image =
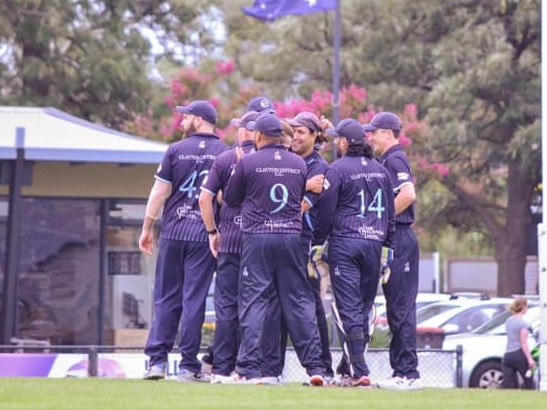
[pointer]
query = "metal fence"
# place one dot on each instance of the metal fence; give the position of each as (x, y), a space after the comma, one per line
(438, 368)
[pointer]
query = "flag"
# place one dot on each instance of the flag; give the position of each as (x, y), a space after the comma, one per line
(269, 10)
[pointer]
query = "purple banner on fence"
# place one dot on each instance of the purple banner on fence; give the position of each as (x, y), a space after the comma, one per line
(26, 364)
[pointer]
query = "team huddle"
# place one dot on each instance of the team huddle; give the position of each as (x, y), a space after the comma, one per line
(264, 215)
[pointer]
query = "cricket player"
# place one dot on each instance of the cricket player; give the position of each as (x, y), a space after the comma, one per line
(356, 215)
(185, 266)
(401, 289)
(269, 186)
(225, 245)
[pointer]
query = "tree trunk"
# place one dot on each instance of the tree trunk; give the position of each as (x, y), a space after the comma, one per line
(511, 241)
(511, 259)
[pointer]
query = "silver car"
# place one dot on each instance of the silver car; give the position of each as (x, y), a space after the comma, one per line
(484, 348)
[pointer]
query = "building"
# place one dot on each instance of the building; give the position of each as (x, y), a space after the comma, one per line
(72, 199)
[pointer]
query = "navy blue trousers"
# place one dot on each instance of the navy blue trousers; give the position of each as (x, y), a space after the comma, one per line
(354, 266)
(276, 335)
(400, 293)
(184, 271)
(274, 266)
(226, 338)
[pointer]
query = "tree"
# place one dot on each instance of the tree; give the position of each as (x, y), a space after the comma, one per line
(483, 108)
(472, 69)
(92, 57)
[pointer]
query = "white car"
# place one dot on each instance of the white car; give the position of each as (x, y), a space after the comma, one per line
(436, 321)
(484, 348)
(422, 300)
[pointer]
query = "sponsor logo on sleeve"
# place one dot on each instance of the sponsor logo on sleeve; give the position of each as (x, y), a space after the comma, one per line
(403, 176)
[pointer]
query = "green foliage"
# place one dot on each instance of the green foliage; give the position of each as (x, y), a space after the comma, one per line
(89, 58)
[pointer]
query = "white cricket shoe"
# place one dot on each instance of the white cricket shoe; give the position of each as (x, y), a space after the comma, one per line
(400, 383)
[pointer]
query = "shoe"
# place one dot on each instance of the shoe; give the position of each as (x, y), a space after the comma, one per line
(393, 383)
(414, 384)
(156, 372)
(238, 379)
(317, 380)
(206, 368)
(186, 376)
(272, 380)
(363, 381)
(219, 378)
(400, 383)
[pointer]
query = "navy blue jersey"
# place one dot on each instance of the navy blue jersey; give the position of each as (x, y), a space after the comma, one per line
(269, 185)
(316, 165)
(356, 202)
(185, 165)
(230, 217)
(396, 162)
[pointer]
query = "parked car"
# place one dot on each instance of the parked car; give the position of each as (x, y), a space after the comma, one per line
(483, 349)
(422, 300)
(381, 336)
(436, 321)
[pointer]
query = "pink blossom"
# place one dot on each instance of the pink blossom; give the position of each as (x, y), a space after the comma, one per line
(411, 110)
(225, 67)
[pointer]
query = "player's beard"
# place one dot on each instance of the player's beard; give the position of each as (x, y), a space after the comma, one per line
(189, 129)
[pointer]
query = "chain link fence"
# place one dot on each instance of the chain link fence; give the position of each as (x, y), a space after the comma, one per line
(438, 368)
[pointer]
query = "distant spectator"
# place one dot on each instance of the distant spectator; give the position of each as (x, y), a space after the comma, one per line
(517, 357)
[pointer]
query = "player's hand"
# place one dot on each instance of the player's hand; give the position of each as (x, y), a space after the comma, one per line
(315, 184)
(239, 153)
(386, 259)
(146, 241)
(214, 241)
(325, 123)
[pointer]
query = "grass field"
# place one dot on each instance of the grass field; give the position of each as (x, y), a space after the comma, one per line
(26, 393)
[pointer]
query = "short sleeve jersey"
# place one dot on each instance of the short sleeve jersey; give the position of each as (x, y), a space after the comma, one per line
(269, 185)
(185, 165)
(230, 217)
(316, 165)
(356, 202)
(396, 162)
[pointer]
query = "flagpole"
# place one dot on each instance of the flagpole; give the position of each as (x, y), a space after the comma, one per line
(336, 68)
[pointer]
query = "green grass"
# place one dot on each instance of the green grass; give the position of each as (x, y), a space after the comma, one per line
(27, 393)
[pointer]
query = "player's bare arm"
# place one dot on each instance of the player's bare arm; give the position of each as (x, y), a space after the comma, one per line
(158, 195)
(405, 197)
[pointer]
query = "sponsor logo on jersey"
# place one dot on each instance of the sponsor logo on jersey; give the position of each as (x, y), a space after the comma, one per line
(237, 220)
(403, 176)
(201, 144)
(326, 184)
(277, 156)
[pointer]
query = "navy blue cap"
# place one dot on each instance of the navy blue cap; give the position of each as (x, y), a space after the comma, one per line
(384, 121)
(350, 129)
(267, 124)
(200, 108)
(261, 104)
(245, 119)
